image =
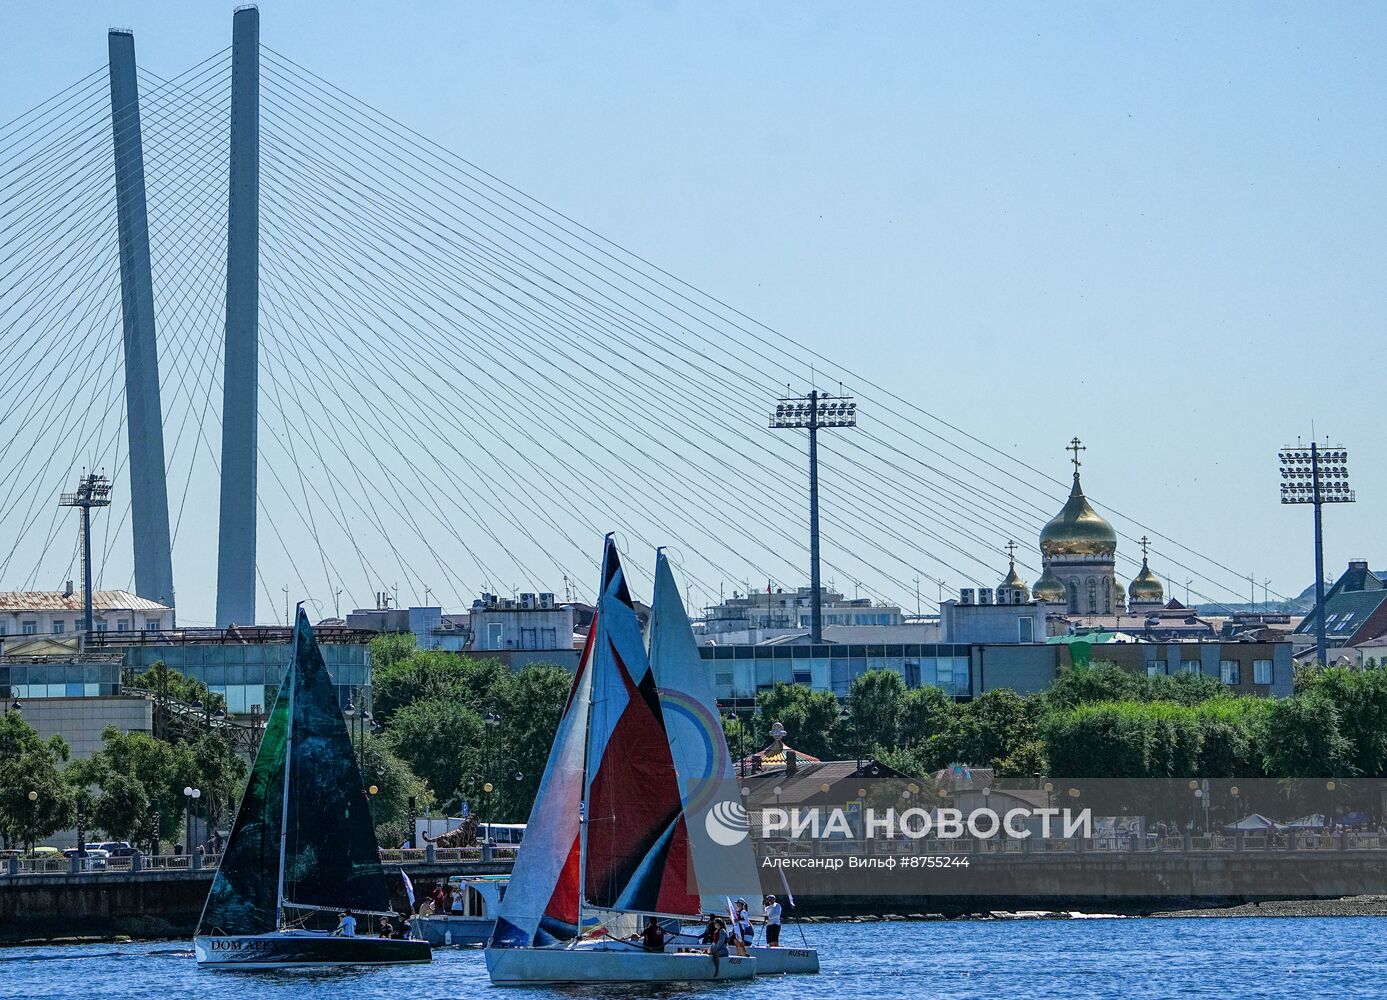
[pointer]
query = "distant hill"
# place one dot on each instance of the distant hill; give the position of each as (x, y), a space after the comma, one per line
(1302, 604)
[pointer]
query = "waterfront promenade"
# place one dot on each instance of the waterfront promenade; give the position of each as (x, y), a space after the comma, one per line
(162, 896)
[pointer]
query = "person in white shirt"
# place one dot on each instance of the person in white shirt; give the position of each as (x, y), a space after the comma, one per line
(346, 925)
(772, 922)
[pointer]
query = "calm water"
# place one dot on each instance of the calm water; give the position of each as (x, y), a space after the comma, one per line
(1122, 959)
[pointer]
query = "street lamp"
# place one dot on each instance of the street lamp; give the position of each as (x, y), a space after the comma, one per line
(1316, 476)
(1330, 785)
(190, 796)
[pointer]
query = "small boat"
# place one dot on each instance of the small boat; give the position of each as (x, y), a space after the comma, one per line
(707, 782)
(481, 898)
(606, 847)
(302, 849)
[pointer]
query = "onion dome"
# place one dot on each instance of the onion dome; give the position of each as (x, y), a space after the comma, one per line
(1013, 580)
(1049, 589)
(1078, 530)
(1145, 588)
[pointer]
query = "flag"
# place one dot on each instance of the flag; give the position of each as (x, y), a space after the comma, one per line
(786, 886)
(409, 889)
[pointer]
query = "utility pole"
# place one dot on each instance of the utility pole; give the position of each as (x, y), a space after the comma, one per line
(812, 413)
(92, 491)
(1316, 476)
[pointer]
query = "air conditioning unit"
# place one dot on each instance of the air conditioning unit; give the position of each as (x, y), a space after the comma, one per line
(527, 601)
(507, 604)
(984, 595)
(965, 596)
(546, 601)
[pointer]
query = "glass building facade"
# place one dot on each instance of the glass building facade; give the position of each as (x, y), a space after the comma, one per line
(741, 672)
(249, 674)
(58, 680)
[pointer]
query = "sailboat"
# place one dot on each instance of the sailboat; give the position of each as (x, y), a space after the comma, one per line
(723, 866)
(606, 846)
(302, 848)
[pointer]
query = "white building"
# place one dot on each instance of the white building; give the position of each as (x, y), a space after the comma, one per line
(792, 610)
(529, 622)
(58, 612)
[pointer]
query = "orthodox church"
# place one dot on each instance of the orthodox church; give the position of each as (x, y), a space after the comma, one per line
(1078, 552)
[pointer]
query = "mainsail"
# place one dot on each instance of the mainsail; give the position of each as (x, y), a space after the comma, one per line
(331, 858)
(707, 785)
(541, 902)
(637, 847)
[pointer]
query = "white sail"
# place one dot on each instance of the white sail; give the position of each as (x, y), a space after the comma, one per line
(541, 902)
(707, 784)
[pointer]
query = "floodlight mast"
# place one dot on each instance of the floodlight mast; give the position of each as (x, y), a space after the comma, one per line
(92, 491)
(1316, 476)
(812, 413)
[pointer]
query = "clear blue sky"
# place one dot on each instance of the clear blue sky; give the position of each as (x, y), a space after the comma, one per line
(1159, 227)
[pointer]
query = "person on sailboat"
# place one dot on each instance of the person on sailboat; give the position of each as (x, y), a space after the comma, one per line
(653, 937)
(715, 937)
(773, 911)
(346, 925)
(743, 931)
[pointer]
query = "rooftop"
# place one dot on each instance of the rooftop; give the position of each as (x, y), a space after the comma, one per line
(17, 601)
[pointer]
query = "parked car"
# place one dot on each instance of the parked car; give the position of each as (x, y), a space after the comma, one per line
(96, 857)
(115, 848)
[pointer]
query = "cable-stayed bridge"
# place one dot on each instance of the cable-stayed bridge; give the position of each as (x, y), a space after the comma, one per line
(380, 366)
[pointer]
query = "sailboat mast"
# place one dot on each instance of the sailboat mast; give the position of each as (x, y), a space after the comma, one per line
(284, 806)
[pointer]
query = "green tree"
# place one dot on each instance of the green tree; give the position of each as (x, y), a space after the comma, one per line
(28, 765)
(1360, 697)
(810, 718)
(479, 683)
(161, 770)
(875, 703)
(534, 702)
(1302, 739)
(926, 712)
(989, 728)
(442, 741)
(395, 784)
(1229, 729)
(120, 807)
(1099, 681)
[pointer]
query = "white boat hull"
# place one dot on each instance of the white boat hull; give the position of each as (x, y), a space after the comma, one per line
(547, 966)
(304, 949)
(785, 961)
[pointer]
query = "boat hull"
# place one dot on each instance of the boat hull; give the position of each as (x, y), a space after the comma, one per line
(443, 931)
(785, 961)
(303, 950)
(541, 966)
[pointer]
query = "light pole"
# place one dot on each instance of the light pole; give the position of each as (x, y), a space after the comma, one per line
(811, 413)
(33, 816)
(1315, 476)
(190, 796)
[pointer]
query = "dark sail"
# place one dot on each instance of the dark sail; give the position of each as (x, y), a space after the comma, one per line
(330, 852)
(331, 857)
(242, 897)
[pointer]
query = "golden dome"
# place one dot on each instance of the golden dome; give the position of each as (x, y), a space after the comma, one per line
(1078, 530)
(1145, 588)
(1049, 589)
(1013, 580)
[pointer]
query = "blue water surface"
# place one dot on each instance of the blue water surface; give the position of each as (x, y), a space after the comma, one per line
(1244, 958)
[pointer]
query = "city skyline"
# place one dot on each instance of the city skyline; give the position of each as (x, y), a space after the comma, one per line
(1125, 230)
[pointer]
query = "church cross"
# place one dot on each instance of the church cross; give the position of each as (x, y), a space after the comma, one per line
(1144, 543)
(1011, 552)
(1075, 446)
